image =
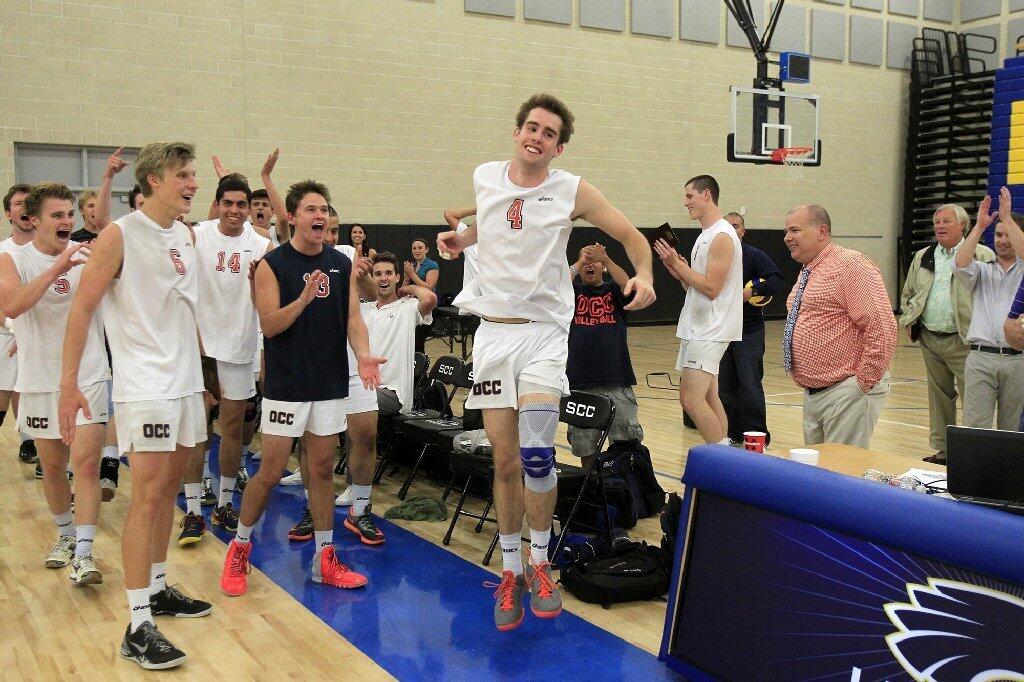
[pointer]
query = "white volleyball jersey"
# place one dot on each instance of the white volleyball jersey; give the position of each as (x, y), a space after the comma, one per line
(154, 342)
(522, 233)
(349, 252)
(720, 319)
(6, 246)
(40, 329)
(227, 316)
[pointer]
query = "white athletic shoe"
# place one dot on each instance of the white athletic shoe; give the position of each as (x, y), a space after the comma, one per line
(344, 499)
(84, 571)
(292, 479)
(63, 550)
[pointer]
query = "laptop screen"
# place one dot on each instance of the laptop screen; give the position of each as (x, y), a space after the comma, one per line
(985, 463)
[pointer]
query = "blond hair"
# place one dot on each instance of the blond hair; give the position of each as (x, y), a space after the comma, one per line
(158, 157)
(84, 197)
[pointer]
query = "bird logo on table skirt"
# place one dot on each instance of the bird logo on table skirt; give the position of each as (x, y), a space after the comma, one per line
(956, 631)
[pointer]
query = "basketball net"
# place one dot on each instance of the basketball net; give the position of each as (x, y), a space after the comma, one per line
(794, 159)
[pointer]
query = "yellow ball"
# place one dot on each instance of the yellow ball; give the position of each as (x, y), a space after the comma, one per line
(755, 299)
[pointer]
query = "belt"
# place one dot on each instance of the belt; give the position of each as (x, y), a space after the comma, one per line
(932, 331)
(819, 389)
(506, 320)
(995, 350)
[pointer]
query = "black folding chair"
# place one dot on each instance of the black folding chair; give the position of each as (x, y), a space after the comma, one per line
(436, 433)
(584, 411)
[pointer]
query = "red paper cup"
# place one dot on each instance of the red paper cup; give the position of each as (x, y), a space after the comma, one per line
(754, 440)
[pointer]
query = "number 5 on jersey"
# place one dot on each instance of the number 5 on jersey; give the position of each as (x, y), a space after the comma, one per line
(515, 215)
(323, 289)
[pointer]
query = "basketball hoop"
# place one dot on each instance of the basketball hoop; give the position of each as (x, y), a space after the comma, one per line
(793, 158)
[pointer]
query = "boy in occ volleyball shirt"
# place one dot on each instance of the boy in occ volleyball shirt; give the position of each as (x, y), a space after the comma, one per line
(523, 293)
(309, 309)
(37, 284)
(143, 269)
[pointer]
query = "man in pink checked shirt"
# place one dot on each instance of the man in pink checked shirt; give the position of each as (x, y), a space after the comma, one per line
(840, 333)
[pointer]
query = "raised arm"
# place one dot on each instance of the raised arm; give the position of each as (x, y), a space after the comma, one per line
(1013, 231)
(453, 216)
(599, 254)
(107, 254)
(276, 201)
(965, 255)
(592, 206)
(273, 318)
(17, 297)
(427, 299)
(115, 164)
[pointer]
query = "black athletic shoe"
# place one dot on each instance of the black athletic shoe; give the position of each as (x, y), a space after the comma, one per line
(226, 516)
(364, 527)
(108, 477)
(149, 648)
(39, 470)
(171, 602)
(303, 530)
(27, 452)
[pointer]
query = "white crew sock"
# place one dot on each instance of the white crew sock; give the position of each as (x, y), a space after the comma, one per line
(539, 540)
(305, 491)
(245, 451)
(110, 452)
(24, 436)
(157, 577)
(227, 489)
(138, 605)
(65, 523)
(360, 498)
(243, 533)
(193, 491)
(323, 538)
(83, 543)
(511, 552)
(206, 465)
(724, 441)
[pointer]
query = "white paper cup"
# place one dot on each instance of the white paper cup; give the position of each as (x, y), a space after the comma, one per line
(804, 456)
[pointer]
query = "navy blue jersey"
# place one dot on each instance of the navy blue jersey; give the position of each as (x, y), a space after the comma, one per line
(307, 361)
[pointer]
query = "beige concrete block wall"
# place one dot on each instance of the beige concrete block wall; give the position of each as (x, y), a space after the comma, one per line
(393, 102)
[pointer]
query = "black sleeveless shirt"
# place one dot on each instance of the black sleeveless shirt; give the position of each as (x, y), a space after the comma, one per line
(307, 361)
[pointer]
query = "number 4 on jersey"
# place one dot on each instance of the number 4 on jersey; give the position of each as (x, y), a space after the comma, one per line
(515, 215)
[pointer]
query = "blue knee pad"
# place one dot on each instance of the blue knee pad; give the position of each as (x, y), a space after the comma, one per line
(537, 425)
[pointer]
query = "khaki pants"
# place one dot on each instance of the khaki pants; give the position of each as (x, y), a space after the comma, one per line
(844, 413)
(944, 358)
(994, 388)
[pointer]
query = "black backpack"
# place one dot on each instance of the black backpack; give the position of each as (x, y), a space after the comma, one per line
(631, 571)
(670, 526)
(630, 461)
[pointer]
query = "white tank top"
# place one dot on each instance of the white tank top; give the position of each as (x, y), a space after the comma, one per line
(522, 234)
(150, 308)
(353, 365)
(40, 329)
(721, 319)
(6, 246)
(227, 317)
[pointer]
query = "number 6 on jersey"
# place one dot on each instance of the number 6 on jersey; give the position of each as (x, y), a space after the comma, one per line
(515, 215)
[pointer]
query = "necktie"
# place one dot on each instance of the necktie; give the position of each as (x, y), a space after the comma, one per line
(787, 336)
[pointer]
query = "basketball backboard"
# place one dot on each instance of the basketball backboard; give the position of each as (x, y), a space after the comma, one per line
(764, 121)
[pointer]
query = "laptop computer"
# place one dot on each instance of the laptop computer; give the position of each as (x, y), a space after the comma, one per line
(986, 467)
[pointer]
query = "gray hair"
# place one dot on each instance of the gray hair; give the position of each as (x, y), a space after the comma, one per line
(959, 212)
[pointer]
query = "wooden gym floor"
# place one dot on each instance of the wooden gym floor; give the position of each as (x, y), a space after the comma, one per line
(52, 630)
